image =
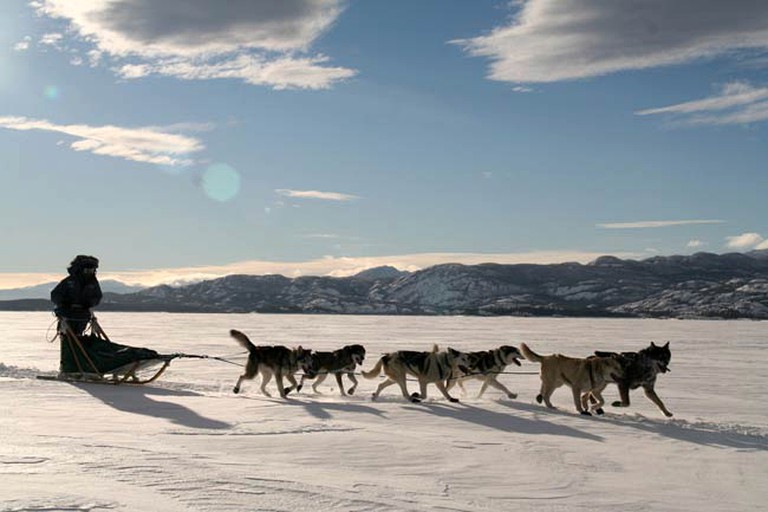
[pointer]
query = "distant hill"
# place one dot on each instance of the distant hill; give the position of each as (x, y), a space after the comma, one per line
(703, 285)
(43, 291)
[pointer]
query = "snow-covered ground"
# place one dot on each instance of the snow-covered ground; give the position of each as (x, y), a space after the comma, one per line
(188, 443)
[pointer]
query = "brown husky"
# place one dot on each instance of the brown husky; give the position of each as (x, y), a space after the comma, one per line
(585, 377)
(428, 367)
(339, 362)
(272, 360)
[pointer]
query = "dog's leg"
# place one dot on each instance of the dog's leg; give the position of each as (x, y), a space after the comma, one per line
(383, 385)
(651, 394)
(236, 389)
(597, 401)
(266, 377)
(545, 394)
(319, 380)
(577, 401)
(279, 381)
(422, 389)
(444, 391)
(339, 383)
(294, 384)
(624, 395)
(498, 385)
(354, 383)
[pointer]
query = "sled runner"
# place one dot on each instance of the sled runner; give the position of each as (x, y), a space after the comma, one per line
(92, 357)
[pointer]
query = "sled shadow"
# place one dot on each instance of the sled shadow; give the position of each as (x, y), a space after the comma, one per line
(137, 400)
(501, 421)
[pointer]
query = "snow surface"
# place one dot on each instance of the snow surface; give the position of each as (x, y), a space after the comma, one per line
(187, 443)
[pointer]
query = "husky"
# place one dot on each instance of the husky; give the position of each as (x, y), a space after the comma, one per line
(428, 367)
(640, 369)
(280, 361)
(339, 362)
(585, 377)
(486, 366)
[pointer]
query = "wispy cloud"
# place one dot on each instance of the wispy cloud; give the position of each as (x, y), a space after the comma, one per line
(22, 45)
(735, 103)
(694, 244)
(328, 266)
(148, 144)
(553, 40)
(746, 241)
(316, 194)
(655, 224)
(261, 43)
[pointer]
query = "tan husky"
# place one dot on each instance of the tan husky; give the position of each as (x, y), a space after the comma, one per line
(428, 367)
(585, 377)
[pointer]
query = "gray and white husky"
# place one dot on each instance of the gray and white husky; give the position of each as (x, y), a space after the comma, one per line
(434, 367)
(280, 361)
(485, 366)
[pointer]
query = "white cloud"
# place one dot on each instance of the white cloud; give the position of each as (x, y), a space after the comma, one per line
(554, 40)
(693, 244)
(51, 39)
(262, 43)
(762, 245)
(655, 224)
(316, 194)
(329, 265)
(22, 45)
(744, 241)
(146, 144)
(736, 103)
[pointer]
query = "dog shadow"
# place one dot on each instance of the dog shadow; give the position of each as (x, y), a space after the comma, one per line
(137, 400)
(322, 410)
(682, 430)
(501, 421)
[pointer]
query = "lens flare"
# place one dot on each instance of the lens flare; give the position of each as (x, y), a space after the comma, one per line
(221, 182)
(51, 92)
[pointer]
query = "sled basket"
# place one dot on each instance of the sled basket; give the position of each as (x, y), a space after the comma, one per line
(94, 358)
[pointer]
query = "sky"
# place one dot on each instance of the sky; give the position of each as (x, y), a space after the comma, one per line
(190, 139)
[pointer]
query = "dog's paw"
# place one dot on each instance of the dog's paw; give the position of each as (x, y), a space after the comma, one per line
(512, 396)
(600, 411)
(586, 413)
(539, 398)
(374, 397)
(453, 400)
(236, 389)
(618, 403)
(298, 388)
(351, 391)
(668, 414)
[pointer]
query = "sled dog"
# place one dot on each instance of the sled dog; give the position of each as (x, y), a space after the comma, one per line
(584, 376)
(486, 366)
(428, 367)
(339, 362)
(640, 369)
(280, 361)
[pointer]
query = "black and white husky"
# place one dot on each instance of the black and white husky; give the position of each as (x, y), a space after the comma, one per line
(434, 367)
(485, 366)
(280, 361)
(339, 362)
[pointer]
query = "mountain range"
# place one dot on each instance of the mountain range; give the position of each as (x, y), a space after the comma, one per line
(702, 285)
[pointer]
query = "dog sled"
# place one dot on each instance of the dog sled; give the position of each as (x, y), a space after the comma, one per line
(92, 357)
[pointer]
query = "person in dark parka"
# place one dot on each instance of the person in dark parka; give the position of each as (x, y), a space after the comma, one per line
(74, 297)
(77, 293)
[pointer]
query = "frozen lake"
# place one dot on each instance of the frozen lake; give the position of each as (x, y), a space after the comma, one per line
(188, 443)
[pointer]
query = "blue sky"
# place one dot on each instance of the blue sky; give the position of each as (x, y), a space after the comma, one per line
(183, 139)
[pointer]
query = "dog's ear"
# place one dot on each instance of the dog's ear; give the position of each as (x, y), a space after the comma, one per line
(666, 345)
(653, 344)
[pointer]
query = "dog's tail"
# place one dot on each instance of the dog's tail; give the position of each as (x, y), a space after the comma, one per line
(530, 354)
(243, 340)
(435, 348)
(376, 370)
